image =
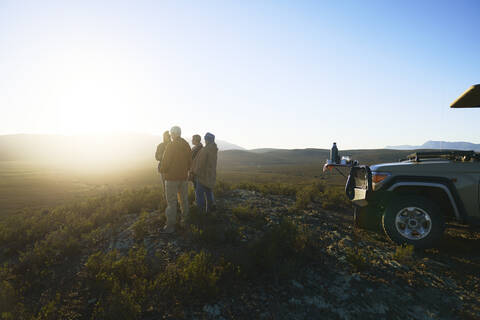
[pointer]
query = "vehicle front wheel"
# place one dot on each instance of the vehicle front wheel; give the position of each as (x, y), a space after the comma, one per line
(415, 220)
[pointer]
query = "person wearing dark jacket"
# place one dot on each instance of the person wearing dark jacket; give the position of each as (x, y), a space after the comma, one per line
(197, 146)
(176, 163)
(159, 155)
(204, 168)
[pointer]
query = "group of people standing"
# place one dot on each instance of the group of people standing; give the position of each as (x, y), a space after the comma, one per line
(179, 164)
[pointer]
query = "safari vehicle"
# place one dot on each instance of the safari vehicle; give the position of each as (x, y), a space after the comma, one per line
(413, 199)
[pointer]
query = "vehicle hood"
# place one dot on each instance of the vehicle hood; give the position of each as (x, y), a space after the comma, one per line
(410, 166)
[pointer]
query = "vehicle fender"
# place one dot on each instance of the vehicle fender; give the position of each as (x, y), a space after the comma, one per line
(452, 196)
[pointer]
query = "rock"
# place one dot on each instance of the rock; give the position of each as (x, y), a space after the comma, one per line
(317, 301)
(379, 308)
(212, 310)
(336, 234)
(297, 285)
(345, 242)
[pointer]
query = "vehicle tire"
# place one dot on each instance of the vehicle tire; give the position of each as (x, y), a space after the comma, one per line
(366, 218)
(415, 220)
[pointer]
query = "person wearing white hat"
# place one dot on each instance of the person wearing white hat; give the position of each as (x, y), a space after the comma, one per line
(175, 165)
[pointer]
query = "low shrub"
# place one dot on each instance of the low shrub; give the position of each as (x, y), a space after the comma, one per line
(358, 258)
(404, 254)
(221, 188)
(307, 195)
(120, 283)
(208, 229)
(8, 298)
(50, 310)
(247, 214)
(118, 304)
(335, 198)
(279, 250)
(140, 227)
(328, 197)
(195, 275)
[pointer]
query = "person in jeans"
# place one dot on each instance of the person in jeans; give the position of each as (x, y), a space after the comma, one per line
(197, 146)
(205, 170)
(176, 163)
(159, 156)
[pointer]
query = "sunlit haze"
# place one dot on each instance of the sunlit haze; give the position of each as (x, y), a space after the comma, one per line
(365, 74)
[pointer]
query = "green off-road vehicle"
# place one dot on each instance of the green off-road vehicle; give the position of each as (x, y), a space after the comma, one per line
(413, 199)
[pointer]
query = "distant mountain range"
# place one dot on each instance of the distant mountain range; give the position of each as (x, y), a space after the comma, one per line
(439, 145)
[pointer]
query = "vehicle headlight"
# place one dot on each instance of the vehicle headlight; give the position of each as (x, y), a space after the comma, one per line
(378, 178)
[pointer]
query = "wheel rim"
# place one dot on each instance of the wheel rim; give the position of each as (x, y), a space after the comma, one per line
(413, 223)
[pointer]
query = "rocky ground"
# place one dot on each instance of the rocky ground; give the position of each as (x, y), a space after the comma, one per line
(357, 273)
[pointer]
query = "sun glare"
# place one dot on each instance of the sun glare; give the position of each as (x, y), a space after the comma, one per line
(95, 94)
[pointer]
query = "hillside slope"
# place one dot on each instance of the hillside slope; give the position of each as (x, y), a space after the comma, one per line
(259, 255)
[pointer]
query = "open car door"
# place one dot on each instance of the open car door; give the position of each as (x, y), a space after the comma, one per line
(469, 99)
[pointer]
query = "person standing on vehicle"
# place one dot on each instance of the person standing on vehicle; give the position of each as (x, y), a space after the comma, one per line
(159, 156)
(205, 170)
(176, 163)
(197, 146)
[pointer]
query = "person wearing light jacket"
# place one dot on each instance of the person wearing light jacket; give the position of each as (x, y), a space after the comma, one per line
(176, 163)
(204, 168)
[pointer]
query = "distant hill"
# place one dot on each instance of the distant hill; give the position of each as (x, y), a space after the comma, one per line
(439, 145)
(271, 157)
(106, 152)
(84, 148)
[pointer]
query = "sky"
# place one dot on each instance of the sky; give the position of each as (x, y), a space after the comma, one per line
(281, 74)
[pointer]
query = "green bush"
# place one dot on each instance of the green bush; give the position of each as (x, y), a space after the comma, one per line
(35, 264)
(140, 227)
(118, 304)
(334, 198)
(209, 233)
(328, 197)
(121, 283)
(221, 188)
(279, 250)
(247, 214)
(45, 243)
(404, 254)
(8, 297)
(50, 310)
(358, 258)
(195, 275)
(308, 194)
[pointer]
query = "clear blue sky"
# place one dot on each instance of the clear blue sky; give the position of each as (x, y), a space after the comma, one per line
(288, 74)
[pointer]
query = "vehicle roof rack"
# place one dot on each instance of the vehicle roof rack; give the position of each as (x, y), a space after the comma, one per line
(444, 154)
